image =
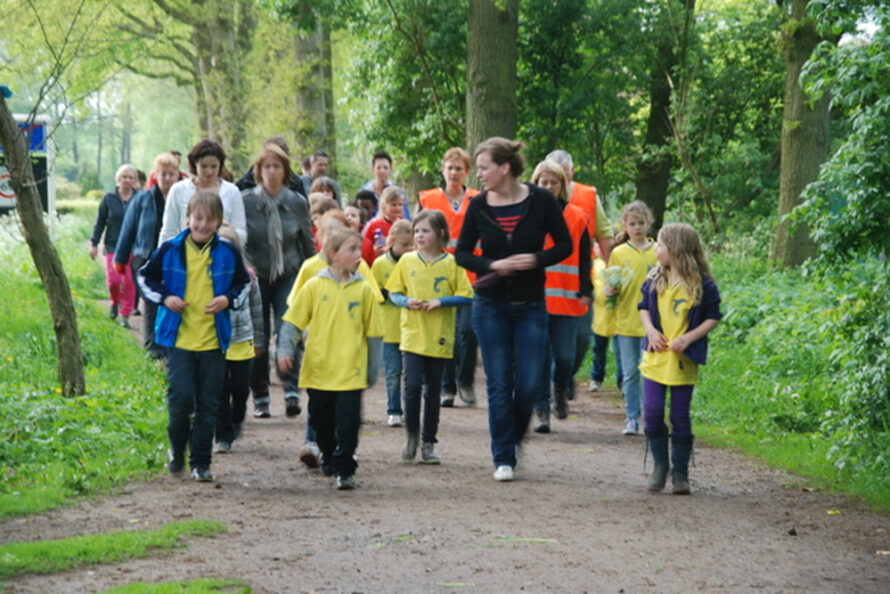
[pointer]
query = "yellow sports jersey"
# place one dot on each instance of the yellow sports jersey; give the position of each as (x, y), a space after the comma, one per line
(381, 271)
(240, 351)
(628, 256)
(197, 331)
(671, 368)
(340, 317)
(603, 317)
(316, 264)
(429, 333)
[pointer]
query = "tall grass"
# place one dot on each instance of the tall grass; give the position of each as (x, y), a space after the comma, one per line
(51, 447)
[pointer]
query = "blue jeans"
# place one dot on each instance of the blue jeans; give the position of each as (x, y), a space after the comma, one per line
(461, 370)
(274, 297)
(423, 376)
(560, 357)
(631, 350)
(582, 340)
(195, 383)
(392, 371)
(512, 337)
(598, 365)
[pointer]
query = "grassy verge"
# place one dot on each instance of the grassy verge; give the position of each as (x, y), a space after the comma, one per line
(192, 587)
(60, 555)
(54, 448)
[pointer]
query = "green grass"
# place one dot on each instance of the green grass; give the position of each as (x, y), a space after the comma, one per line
(199, 586)
(54, 448)
(50, 556)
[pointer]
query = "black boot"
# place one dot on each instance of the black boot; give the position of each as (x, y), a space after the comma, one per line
(681, 448)
(560, 403)
(658, 445)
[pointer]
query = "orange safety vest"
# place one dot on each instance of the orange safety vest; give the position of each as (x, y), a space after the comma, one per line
(562, 283)
(435, 199)
(584, 197)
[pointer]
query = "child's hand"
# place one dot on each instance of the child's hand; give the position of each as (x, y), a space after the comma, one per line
(174, 303)
(217, 305)
(680, 344)
(657, 341)
(432, 304)
(415, 303)
(285, 365)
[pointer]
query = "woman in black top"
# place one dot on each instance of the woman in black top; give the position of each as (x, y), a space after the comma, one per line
(510, 220)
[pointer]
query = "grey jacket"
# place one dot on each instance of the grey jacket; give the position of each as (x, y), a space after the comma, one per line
(296, 227)
(247, 322)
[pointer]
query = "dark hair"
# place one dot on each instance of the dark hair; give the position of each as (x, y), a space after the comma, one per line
(175, 152)
(206, 148)
(140, 175)
(366, 195)
(381, 155)
(437, 221)
(364, 215)
(305, 163)
(503, 150)
(319, 153)
(206, 199)
(280, 142)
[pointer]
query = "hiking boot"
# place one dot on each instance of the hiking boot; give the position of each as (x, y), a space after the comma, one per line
(428, 454)
(560, 404)
(410, 450)
(112, 312)
(446, 400)
(125, 322)
(309, 454)
(261, 410)
(326, 468)
(467, 395)
(222, 447)
(394, 421)
(175, 463)
(345, 483)
(681, 450)
(292, 405)
(594, 386)
(202, 474)
(135, 312)
(503, 473)
(542, 420)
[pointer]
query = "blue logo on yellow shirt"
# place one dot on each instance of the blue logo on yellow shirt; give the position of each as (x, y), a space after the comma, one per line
(438, 280)
(677, 303)
(352, 304)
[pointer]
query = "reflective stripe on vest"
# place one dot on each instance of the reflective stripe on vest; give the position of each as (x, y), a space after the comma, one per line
(562, 285)
(564, 269)
(564, 293)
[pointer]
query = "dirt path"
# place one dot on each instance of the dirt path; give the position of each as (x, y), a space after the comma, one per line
(580, 497)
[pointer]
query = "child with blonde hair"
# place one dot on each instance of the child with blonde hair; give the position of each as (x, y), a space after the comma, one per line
(680, 306)
(399, 241)
(374, 236)
(636, 256)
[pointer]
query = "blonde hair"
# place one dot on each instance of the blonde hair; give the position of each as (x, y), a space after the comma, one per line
(322, 205)
(123, 169)
(556, 170)
(332, 220)
(400, 227)
(272, 151)
(635, 208)
(165, 160)
(209, 201)
(336, 239)
(687, 259)
(456, 153)
(391, 194)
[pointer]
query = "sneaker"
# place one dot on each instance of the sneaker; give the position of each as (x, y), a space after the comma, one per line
(309, 454)
(261, 410)
(201, 474)
(222, 447)
(112, 312)
(631, 427)
(467, 395)
(594, 386)
(542, 420)
(410, 446)
(345, 483)
(503, 473)
(446, 400)
(125, 322)
(394, 421)
(428, 454)
(175, 463)
(292, 404)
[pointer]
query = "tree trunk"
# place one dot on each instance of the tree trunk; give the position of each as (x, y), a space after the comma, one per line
(330, 141)
(804, 143)
(312, 132)
(46, 259)
(99, 139)
(491, 70)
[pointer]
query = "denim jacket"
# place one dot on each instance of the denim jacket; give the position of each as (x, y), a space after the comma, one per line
(139, 232)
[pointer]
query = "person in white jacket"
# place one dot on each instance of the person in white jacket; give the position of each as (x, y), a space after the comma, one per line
(206, 161)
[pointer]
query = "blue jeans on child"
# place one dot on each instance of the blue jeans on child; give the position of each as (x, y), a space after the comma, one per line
(423, 378)
(392, 371)
(631, 352)
(512, 337)
(598, 364)
(195, 383)
(560, 357)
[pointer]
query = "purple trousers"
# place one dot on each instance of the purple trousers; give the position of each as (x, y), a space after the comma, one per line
(653, 407)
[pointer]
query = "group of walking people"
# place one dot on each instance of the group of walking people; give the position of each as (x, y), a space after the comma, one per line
(512, 268)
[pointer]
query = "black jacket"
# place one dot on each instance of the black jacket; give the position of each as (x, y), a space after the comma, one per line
(541, 216)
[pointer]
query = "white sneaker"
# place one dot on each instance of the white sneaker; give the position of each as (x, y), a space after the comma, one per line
(631, 427)
(310, 454)
(503, 473)
(394, 421)
(594, 386)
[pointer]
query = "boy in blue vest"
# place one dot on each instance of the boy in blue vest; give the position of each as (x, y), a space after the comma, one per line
(195, 278)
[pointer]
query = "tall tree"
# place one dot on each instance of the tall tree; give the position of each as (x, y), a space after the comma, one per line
(491, 69)
(804, 144)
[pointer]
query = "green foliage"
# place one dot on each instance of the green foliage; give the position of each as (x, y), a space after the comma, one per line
(49, 556)
(52, 447)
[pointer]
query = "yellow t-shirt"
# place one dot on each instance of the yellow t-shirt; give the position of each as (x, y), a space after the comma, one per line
(381, 271)
(668, 367)
(240, 351)
(639, 262)
(603, 317)
(340, 317)
(197, 331)
(315, 264)
(428, 333)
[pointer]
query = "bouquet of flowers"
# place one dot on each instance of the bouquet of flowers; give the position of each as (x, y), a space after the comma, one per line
(616, 277)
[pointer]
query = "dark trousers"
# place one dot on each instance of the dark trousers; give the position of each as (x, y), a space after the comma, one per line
(461, 370)
(423, 378)
(274, 298)
(195, 381)
(149, 314)
(336, 418)
(233, 402)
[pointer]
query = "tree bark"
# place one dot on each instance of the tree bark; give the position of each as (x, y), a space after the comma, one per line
(491, 70)
(804, 143)
(46, 259)
(311, 98)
